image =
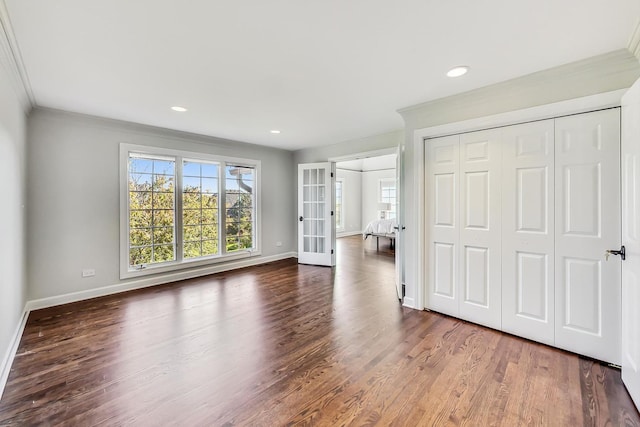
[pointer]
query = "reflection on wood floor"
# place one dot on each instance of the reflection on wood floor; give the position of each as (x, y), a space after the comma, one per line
(284, 344)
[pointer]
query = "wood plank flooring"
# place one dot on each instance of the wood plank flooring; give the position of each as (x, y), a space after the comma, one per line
(289, 344)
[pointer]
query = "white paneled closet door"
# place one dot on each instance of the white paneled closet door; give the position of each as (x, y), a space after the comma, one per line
(528, 231)
(587, 194)
(480, 231)
(443, 172)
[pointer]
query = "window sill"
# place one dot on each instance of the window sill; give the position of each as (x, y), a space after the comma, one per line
(127, 273)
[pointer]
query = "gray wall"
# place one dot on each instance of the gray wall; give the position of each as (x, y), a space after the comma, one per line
(351, 201)
(73, 196)
(12, 215)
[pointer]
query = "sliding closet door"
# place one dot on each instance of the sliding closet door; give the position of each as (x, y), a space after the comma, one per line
(443, 175)
(528, 231)
(587, 224)
(479, 252)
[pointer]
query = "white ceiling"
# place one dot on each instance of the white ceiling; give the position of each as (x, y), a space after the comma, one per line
(321, 71)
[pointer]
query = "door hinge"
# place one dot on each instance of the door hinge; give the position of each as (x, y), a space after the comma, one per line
(331, 213)
(404, 291)
(331, 251)
(331, 174)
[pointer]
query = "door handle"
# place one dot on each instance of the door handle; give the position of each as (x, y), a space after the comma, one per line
(622, 252)
(301, 218)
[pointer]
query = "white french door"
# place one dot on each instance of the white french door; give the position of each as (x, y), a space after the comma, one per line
(316, 227)
(587, 203)
(631, 239)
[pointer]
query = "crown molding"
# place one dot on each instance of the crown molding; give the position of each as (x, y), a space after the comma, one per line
(634, 41)
(11, 60)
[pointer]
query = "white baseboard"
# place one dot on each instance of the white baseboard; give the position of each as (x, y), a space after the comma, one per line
(409, 303)
(153, 281)
(348, 233)
(7, 360)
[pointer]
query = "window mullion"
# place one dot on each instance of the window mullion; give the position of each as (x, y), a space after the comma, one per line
(177, 212)
(153, 212)
(222, 209)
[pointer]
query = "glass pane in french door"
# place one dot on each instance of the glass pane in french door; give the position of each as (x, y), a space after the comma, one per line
(314, 207)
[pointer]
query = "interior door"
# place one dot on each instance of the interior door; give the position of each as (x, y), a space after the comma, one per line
(316, 199)
(528, 231)
(631, 240)
(480, 230)
(399, 227)
(444, 226)
(587, 193)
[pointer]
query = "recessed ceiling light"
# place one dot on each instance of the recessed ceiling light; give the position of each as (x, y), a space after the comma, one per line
(275, 131)
(179, 109)
(458, 71)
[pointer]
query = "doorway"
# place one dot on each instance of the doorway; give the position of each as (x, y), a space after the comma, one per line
(367, 208)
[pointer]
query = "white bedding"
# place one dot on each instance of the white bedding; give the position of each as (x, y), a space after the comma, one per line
(380, 226)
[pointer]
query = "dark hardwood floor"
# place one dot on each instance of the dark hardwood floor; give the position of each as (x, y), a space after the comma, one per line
(289, 344)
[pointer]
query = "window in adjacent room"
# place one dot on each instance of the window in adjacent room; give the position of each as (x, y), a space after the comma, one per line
(387, 195)
(182, 209)
(339, 205)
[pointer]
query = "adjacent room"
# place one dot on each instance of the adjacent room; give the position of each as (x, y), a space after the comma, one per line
(366, 200)
(320, 213)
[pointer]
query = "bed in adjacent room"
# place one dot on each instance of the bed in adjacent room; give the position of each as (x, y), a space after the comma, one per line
(385, 228)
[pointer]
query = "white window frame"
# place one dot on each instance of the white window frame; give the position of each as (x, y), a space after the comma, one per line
(380, 200)
(180, 263)
(342, 215)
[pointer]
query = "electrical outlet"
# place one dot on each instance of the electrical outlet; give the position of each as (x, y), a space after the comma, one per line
(278, 243)
(88, 272)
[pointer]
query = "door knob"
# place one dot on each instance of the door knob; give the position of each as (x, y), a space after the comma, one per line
(620, 252)
(301, 218)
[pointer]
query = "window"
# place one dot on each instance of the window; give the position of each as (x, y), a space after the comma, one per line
(339, 208)
(151, 209)
(387, 194)
(182, 209)
(200, 208)
(239, 207)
